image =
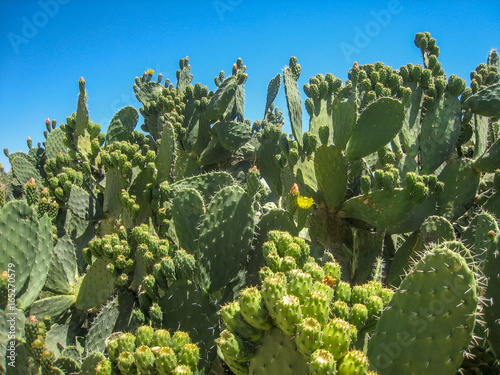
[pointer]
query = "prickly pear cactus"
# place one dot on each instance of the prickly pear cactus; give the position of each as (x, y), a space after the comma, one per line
(430, 321)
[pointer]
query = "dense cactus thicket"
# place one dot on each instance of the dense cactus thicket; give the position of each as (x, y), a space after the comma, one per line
(208, 243)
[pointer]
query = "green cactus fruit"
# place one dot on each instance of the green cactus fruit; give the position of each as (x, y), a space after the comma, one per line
(179, 339)
(288, 313)
(359, 294)
(299, 284)
(31, 192)
(126, 363)
(273, 261)
(47, 359)
(185, 264)
(316, 305)
(354, 362)
(343, 291)
(144, 359)
(126, 343)
(358, 315)
(294, 251)
(166, 361)
(234, 348)
(288, 263)
(374, 305)
(337, 335)
(150, 287)
(104, 367)
(182, 370)
(156, 315)
(273, 288)
(144, 336)
(340, 309)
(232, 317)
(333, 269)
(112, 348)
(253, 309)
(309, 336)
(322, 362)
(161, 338)
(189, 355)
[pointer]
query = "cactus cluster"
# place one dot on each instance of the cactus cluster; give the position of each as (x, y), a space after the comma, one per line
(306, 307)
(284, 249)
(150, 351)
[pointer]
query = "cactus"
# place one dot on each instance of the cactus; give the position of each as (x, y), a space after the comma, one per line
(161, 227)
(445, 314)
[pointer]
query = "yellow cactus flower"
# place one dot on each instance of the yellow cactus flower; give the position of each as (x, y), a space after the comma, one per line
(151, 72)
(304, 203)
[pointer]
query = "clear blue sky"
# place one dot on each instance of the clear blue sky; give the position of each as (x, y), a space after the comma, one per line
(47, 45)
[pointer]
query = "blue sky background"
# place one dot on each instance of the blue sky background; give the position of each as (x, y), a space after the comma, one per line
(47, 45)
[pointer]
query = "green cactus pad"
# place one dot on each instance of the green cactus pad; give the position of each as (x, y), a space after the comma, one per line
(166, 153)
(222, 98)
(214, 153)
(306, 179)
(97, 286)
(268, 166)
(24, 170)
(377, 125)
(187, 308)
(381, 208)
(55, 143)
(277, 355)
(343, 120)
(79, 202)
(225, 238)
(185, 166)
(491, 311)
(460, 186)
(410, 131)
(121, 126)
(331, 174)
(187, 211)
(294, 103)
(52, 306)
(116, 316)
(486, 102)
(272, 91)
(477, 235)
(90, 363)
(430, 320)
(490, 160)
(440, 131)
(18, 240)
(207, 184)
(64, 267)
(232, 135)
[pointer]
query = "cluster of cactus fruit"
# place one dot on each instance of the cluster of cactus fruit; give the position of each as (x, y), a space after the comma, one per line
(372, 247)
(305, 307)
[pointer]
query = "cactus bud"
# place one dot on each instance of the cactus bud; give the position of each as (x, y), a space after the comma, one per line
(166, 361)
(308, 337)
(337, 336)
